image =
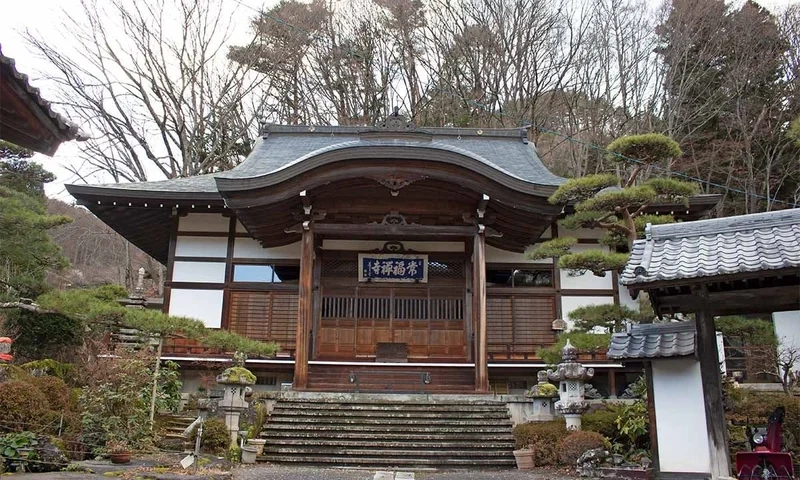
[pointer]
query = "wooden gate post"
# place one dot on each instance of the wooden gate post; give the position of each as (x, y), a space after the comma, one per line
(479, 310)
(304, 308)
(708, 356)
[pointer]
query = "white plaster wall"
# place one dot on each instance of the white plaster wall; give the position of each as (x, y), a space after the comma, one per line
(680, 416)
(203, 305)
(250, 248)
(366, 245)
(203, 222)
(787, 328)
(206, 272)
(240, 228)
(569, 304)
(626, 300)
(593, 233)
(201, 247)
(588, 280)
(496, 255)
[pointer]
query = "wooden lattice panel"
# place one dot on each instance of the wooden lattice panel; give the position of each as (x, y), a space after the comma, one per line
(265, 316)
(519, 324)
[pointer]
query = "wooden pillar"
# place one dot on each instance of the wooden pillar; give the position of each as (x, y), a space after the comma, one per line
(304, 308)
(651, 413)
(612, 384)
(708, 356)
(479, 310)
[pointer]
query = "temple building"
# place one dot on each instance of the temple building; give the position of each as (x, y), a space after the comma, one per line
(387, 258)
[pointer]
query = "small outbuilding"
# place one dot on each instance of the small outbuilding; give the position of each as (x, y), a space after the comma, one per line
(675, 395)
(724, 266)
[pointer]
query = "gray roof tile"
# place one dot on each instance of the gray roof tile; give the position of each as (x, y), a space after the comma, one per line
(66, 128)
(722, 246)
(504, 153)
(657, 340)
(283, 146)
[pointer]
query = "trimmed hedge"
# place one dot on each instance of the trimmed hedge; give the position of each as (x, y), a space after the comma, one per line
(571, 447)
(602, 421)
(23, 407)
(543, 438)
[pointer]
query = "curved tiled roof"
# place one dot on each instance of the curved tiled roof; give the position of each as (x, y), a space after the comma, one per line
(657, 340)
(502, 150)
(66, 129)
(722, 246)
(287, 151)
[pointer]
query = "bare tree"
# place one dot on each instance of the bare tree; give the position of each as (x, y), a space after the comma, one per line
(781, 363)
(150, 81)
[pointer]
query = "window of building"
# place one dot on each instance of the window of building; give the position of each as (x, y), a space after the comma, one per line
(266, 381)
(518, 277)
(266, 273)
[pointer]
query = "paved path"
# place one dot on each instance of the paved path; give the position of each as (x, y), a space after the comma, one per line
(276, 472)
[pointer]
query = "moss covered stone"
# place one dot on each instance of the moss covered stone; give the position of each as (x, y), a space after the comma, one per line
(238, 375)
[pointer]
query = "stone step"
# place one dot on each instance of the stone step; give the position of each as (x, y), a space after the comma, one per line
(399, 414)
(433, 408)
(399, 453)
(407, 401)
(387, 421)
(278, 436)
(388, 461)
(380, 431)
(379, 428)
(381, 443)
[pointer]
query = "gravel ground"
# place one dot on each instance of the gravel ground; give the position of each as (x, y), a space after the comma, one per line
(276, 472)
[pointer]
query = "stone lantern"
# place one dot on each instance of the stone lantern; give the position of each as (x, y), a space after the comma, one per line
(543, 394)
(571, 376)
(236, 383)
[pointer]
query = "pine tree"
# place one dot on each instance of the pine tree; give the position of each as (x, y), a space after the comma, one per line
(618, 206)
(26, 251)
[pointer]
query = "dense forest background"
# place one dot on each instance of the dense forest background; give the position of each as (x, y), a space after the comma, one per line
(166, 91)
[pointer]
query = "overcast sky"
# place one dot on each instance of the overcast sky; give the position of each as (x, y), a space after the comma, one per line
(42, 15)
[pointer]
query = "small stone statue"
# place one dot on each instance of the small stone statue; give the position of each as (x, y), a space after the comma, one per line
(239, 358)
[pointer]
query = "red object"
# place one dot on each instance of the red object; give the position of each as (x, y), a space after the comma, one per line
(6, 357)
(767, 461)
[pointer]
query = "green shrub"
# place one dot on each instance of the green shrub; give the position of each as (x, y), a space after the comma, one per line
(216, 438)
(56, 391)
(543, 438)
(571, 447)
(584, 342)
(23, 407)
(602, 421)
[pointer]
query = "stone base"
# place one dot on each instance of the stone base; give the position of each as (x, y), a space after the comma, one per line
(573, 421)
(540, 418)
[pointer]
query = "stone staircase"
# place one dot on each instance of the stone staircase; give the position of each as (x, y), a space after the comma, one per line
(384, 432)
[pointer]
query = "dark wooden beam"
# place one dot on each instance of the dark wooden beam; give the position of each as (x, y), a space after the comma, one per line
(304, 308)
(754, 300)
(377, 229)
(479, 311)
(716, 426)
